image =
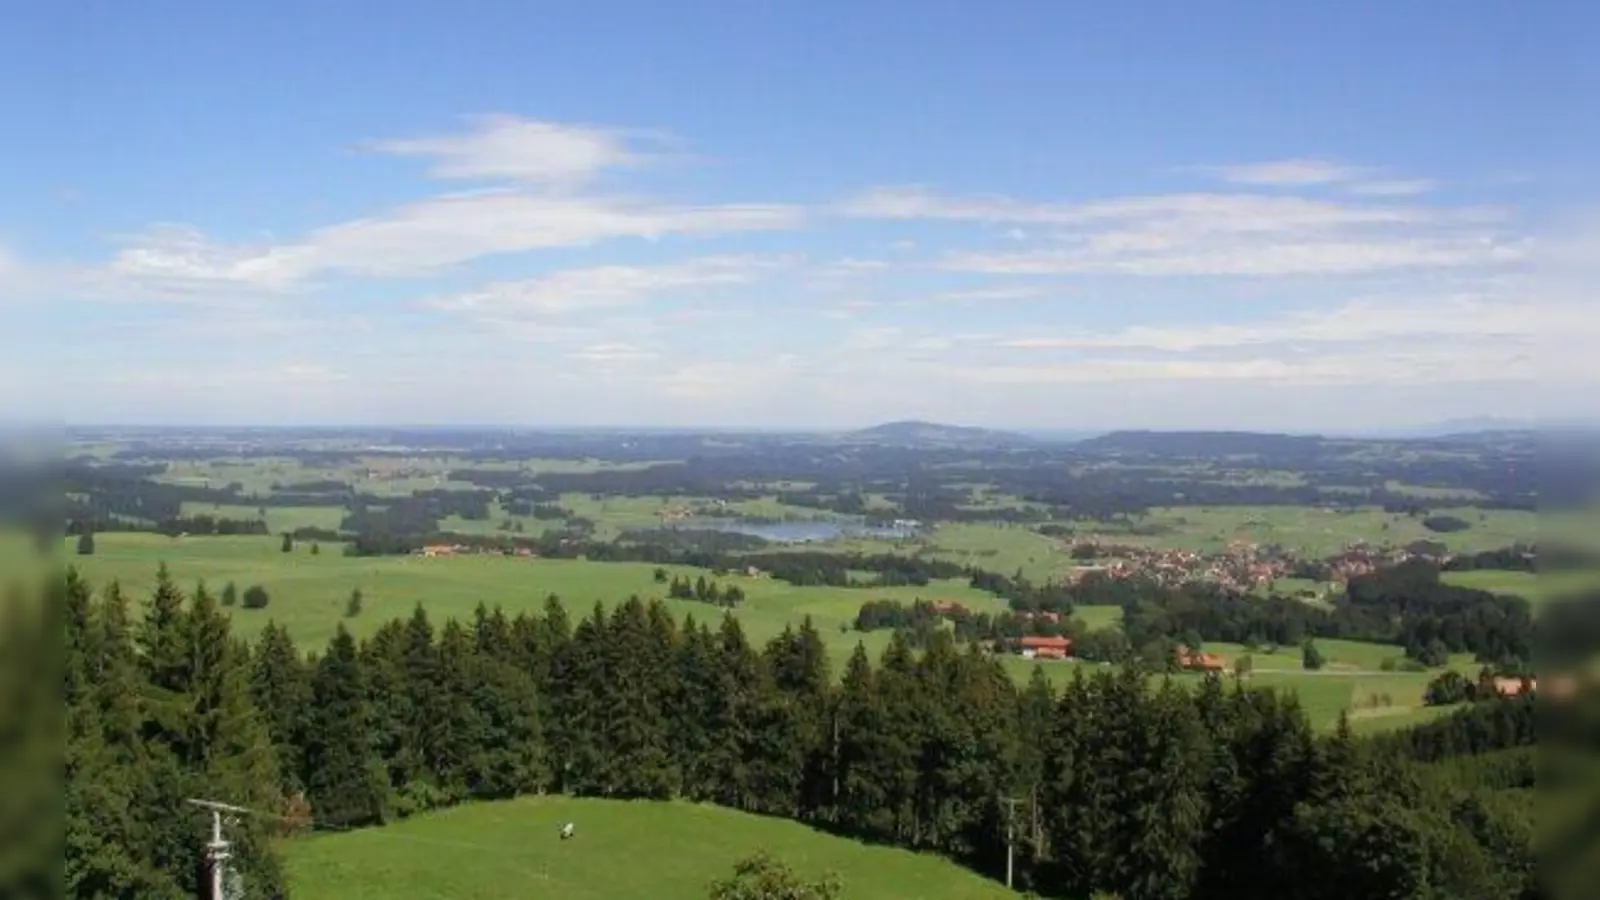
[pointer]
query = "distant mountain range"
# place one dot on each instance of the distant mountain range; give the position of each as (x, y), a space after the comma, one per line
(913, 433)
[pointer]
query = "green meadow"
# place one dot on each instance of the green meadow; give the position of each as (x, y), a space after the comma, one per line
(662, 851)
(1535, 587)
(1313, 530)
(309, 592)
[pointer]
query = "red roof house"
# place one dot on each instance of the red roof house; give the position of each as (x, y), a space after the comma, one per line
(1047, 647)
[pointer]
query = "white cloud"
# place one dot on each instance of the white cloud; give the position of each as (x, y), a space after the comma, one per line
(612, 352)
(417, 239)
(501, 147)
(1121, 254)
(603, 287)
(1364, 321)
(1287, 173)
(1406, 187)
(1213, 234)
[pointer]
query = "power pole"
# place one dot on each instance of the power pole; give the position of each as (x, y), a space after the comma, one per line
(217, 850)
(1011, 818)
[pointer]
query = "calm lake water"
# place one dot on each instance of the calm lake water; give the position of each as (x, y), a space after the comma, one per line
(802, 532)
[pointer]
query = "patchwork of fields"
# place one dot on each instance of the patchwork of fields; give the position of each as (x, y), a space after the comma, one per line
(309, 594)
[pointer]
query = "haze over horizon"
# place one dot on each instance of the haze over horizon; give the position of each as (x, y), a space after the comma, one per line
(1038, 218)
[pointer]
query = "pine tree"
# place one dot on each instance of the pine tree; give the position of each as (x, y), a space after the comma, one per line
(1035, 723)
(228, 745)
(341, 774)
(638, 761)
(731, 708)
(352, 607)
(860, 797)
(281, 685)
(462, 739)
(86, 544)
(230, 594)
(288, 543)
(426, 726)
(581, 708)
(697, 667)
(382, 660)
(109, 797)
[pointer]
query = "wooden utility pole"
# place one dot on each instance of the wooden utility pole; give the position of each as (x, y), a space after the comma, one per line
(217, 850)
(1011, 819)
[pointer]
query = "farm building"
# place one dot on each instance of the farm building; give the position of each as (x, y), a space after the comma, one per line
(1037, 647)
(1199, 660)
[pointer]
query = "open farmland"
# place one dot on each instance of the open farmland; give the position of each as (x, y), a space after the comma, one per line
(1535, 587)
(1310, 530)
(674, 851)
(309, 591)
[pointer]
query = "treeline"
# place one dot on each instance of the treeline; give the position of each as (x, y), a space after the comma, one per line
(1117, 785)
(393, 519)
(196, 524)
(1405, 604)
(702, 589)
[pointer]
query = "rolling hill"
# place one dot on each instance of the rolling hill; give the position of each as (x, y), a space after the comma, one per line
(914, 433)
(623, 849)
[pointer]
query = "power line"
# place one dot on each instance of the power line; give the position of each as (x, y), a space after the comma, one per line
(516, 856)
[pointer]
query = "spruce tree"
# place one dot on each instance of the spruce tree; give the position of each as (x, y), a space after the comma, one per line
(638, 760)
(342, 777)
(230, 594)
(697, 667)
(859, 722)
(281, 685)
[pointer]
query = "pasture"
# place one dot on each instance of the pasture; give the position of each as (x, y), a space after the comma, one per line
(309, 592)
(1535, 587)
(279, 519)
(1316, 531)
(622, 849)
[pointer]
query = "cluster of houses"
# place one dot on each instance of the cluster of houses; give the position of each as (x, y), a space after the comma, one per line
(1242, 566)
(432, 551)
(1041, 647)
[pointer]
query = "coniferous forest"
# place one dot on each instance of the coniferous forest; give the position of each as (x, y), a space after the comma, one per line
(1121, 783)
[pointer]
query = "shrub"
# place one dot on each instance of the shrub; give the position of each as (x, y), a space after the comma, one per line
(352, 608)
(1446, 523)
(255, 597)
(86, 544)
(1310, 657)
(230, 594)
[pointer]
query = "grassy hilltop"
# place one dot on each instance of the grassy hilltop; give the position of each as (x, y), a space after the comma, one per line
(661, 851)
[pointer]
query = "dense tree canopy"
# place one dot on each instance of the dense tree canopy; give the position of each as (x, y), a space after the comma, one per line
(1120, 783)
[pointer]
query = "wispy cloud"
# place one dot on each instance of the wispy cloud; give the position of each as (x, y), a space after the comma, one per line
(1400, 187)
(604, 287)
(1286, 172)
(1212, 234)
(537, 201)
(508, 148)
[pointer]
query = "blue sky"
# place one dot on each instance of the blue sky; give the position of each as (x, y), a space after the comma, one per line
(1255, 215)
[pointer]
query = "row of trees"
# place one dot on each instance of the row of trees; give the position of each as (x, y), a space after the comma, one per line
(1115, 784)
(701, 589)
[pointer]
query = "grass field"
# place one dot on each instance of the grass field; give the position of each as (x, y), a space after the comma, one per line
(1318, 531)
(1536, 588)
(662, 851)
(309, 592)
(278, 518)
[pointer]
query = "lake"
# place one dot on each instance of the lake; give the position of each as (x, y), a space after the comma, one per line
(801, 532)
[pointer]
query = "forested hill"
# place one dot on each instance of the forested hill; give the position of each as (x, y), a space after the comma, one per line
(928, 434)
(1203, 444)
